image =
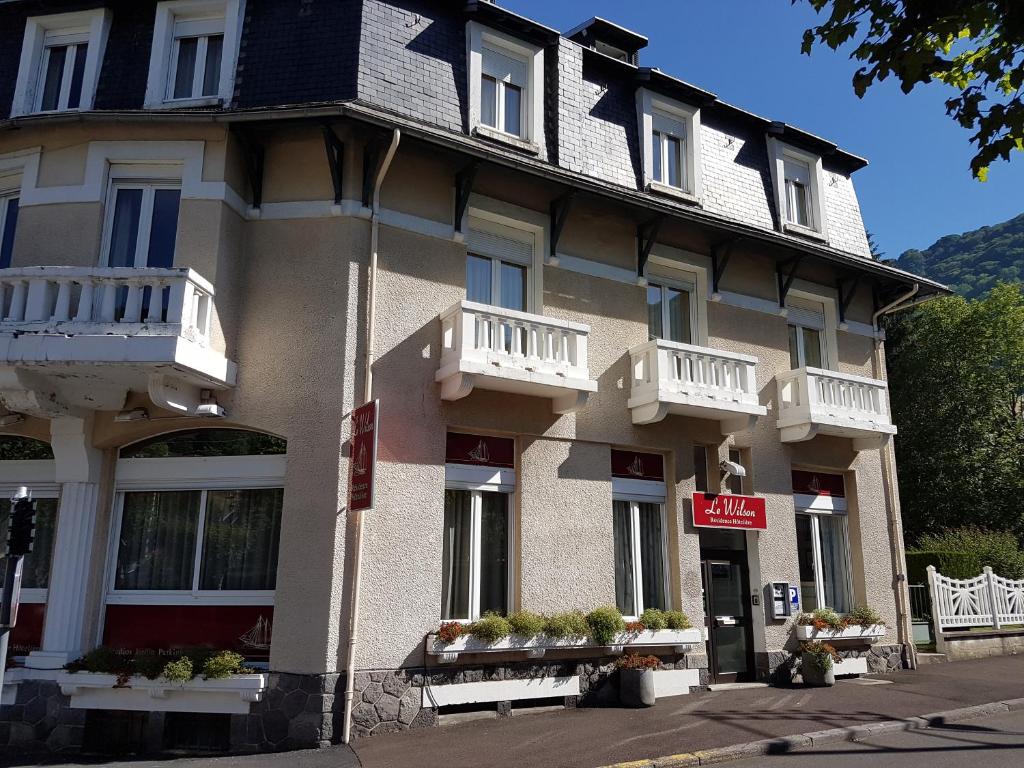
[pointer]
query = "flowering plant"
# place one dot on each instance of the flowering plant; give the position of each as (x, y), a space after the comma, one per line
(636, 661)
(449, 632)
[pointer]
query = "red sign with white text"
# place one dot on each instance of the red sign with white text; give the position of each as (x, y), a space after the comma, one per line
(245, 629)
(725, 510)
(363, 459)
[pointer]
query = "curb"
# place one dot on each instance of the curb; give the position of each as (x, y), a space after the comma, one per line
(802, 741)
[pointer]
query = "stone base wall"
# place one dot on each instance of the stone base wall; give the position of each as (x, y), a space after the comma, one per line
(978, 645)
(41, 720)
(780, 667)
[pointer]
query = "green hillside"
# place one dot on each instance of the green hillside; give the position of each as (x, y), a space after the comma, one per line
(973, 262)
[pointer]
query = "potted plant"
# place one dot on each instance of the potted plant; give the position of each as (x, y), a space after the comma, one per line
(636, 679)
(817, 663)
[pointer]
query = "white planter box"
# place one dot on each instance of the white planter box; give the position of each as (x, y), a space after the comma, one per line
(868, 634)
(681, 640)
(232, 695)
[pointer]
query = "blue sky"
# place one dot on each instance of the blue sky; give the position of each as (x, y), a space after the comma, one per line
(918, 186)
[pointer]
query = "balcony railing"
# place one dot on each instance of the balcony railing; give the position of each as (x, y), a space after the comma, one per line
(509, 351)
(813, 401)
(106, 300)
(669, 377)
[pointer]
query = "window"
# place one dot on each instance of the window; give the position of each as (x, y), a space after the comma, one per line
(60, 61)
(142, 224)
(799, 189)
(475, 554)
(824, 561)
(671, 145)
(700, 468)
(506, 80)
(195, 52)
(35, 572)
(806, 333)
(8, 225)
(640, 573)
(498, 265)
(668, 313)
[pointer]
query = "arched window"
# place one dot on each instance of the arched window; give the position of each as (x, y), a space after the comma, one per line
(197, 521)
(17, 448)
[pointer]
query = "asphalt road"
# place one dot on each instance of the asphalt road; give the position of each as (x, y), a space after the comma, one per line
(995, 742)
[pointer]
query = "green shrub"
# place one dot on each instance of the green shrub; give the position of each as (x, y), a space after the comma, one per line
(864, 616)
(999, 551)
(102, 660)
(677, 620)
(221, 665)
(955, 565)
(526, 623)
(562, 625)
(149, 665)
(654, 619)
(605, 622)
(822, 618)
(821, 655)
(490, 628)
(180, 671)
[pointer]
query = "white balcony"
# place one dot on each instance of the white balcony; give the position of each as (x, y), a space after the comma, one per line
(508, 351)
(816, 402)
(74, 337)
(669, 377)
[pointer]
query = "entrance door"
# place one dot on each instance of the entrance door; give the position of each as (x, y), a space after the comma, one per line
(727, 616)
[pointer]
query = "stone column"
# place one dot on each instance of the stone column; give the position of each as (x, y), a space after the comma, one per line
(78, 466)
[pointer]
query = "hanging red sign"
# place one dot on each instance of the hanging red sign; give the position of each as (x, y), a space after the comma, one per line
(638, 466)
(363, 459)
(724, 510)
(482, 450)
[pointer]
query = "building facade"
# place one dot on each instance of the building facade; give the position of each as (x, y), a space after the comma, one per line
(595, 303)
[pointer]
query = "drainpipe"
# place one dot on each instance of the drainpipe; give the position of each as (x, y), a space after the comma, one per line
(904, 631)
(371, 308)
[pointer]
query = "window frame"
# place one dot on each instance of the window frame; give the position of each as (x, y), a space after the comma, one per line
(659, 113)
(509, 221)
(7, 196)
(634, 502)
(209, 27)
(203, 474)
(479, 38)
(683, 270)
(124, 178)
(39, 473)
(819, 581)
(666, 284)
(170, 14)
(68, 41)
(805, 293)
(91, 27)
(779, 154)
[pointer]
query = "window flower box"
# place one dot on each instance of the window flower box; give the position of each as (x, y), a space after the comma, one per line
(870, 634)
(679, 640)
(230, 695)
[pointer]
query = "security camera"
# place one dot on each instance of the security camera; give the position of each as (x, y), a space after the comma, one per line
(732, 468)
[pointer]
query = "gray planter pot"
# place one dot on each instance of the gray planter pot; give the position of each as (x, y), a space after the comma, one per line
(814, 675)
(636, 687)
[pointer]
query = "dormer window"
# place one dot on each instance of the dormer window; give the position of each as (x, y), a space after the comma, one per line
(799, 189)
(506, 81)
(194, 54)
(671, 146)
(60, 61)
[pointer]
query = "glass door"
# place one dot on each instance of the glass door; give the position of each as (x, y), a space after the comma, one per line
(727, 606)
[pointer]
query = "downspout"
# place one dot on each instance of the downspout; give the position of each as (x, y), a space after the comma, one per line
(371, 310)
(904, 631)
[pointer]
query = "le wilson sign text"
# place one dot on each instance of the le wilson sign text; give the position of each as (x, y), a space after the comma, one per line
(364, 456)
(728, 511)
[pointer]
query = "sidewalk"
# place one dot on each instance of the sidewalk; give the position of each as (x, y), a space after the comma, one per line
(587, 738)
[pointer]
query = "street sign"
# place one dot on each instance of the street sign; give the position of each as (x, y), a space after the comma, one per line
(363, 459)
(724, 510)
(21, 528)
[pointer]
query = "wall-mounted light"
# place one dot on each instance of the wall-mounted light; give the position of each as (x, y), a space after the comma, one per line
(133, 414)
(11, 419)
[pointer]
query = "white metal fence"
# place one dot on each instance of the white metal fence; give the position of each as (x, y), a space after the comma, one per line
(987, 600)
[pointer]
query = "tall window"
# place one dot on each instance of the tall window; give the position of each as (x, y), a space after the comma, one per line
(700, 468)
(822, 546)
(668, 313)
(142, 225)
(8, 225)
(640, 573)
(668, 155)
(503, 84)
(496, 282)
(62, 71)
(806, 333)
(35, 573)
(197, 51)
(798, 193)
(475, 565)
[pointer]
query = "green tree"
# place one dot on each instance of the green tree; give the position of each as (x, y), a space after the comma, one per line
(974, 46)
(956, 370)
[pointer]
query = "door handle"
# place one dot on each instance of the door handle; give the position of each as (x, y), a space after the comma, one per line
(725, 621)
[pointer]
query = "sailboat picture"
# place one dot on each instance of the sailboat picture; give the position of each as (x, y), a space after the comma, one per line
(480, 453)
(258, 636)
(636, 469)
(360, 465)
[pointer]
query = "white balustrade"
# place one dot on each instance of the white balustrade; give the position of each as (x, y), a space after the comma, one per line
(670, 377)
(812, 400)
(513, 351)
(106, 300)
(987, 600)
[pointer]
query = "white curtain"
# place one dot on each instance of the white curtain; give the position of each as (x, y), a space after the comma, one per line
(625, 594)
(652, 556)
(834, 561)
(158, 540)
(494, 553)
(458, 515)
(240, 539)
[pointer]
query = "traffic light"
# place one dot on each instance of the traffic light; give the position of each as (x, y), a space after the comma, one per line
(21, 532)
